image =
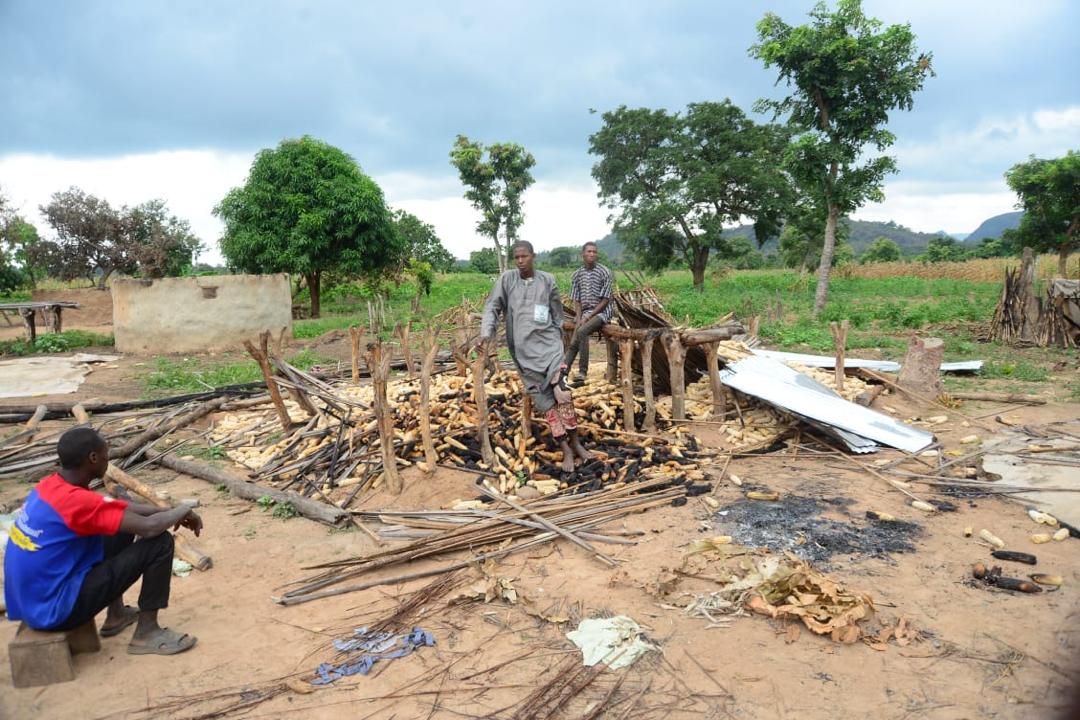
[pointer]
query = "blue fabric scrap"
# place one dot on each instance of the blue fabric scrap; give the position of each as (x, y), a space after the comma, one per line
(371, 647)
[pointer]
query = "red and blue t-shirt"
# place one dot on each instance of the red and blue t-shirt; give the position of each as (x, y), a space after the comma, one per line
(56, 539)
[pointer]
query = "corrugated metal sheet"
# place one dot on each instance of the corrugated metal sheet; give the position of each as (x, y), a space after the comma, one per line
(860, 427)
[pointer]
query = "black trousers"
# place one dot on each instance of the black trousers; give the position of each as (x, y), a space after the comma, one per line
(126, 560)
(579, 343)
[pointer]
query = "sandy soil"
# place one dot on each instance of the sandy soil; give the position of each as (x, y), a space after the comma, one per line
(981, 653)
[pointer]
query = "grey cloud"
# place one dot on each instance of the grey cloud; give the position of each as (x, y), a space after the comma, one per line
(392, 83)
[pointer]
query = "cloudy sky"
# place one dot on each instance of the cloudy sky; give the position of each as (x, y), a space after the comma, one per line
(132, 100)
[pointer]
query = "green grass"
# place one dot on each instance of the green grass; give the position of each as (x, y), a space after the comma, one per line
(1015, 370)
(56, 343)
(176, 376)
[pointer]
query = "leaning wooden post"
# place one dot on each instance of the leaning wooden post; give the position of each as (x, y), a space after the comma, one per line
(355, 334)
(719, 397)
(646, 378)
(752, 334)
(379, 366)
(431, 349)
(626, 359)
(676, 353)
(261, 358)
(612, 374)
(402, 331)
(839, 336)
(526, 420)
(480, 397)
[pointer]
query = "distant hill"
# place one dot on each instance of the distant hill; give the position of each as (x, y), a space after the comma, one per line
(862, 234)
(993, 227)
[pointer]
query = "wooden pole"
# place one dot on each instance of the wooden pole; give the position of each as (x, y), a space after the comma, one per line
(480, 397)
(431, 349)
(839, 337)
(260, 356)
(612, 374)
(755, 323)
(626, 359)
(242, 488)
(526, 420)
(676, 353)
(646, 378)
(719, 396)
(402, 332)
(355, 334)
(379, 365)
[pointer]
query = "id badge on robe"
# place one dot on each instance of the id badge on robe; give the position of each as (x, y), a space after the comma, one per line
(540, 314)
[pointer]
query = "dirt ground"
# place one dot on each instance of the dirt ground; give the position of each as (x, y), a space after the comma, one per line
(979, 653)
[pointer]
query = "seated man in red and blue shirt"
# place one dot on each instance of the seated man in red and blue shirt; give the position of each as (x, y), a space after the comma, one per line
(72, 553)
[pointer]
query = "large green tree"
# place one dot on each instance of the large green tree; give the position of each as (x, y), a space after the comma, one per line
(675, 179)
(846, 74)
(163, 245)
(494, 184)
(1049, 195)
(307, 209)
(422, 242)
(881, 250)
(90, 239)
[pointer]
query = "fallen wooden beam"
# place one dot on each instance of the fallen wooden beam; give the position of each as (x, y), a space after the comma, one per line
(242, 488)
(998, 397)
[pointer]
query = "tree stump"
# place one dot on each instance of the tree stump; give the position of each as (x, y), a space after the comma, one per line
(921, 371)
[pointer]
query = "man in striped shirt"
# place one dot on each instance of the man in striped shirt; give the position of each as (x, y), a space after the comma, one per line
(592, 290)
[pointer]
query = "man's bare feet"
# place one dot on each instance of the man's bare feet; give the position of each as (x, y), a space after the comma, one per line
(579, 450)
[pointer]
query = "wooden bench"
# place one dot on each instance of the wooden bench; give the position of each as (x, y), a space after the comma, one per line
(50, 312)
(43, 658)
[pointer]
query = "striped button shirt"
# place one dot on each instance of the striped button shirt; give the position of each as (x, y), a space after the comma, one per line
(589, 287)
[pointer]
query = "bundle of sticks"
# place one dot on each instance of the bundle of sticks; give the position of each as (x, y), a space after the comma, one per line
(131, 433)
(489, 534)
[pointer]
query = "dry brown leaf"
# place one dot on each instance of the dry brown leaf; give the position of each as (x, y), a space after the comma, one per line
(846, 635)
(299, 686)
